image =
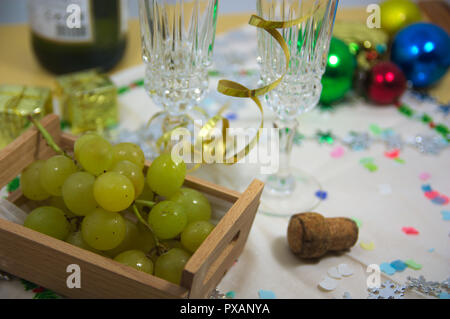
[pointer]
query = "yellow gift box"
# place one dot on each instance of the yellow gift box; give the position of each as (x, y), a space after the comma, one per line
(88, 101)
(16, 103)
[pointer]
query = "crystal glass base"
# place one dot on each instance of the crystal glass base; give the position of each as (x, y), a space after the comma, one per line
(158, 137)
(291, 195)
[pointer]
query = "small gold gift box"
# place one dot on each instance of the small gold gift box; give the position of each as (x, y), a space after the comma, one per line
(16, 103)
(88, 101)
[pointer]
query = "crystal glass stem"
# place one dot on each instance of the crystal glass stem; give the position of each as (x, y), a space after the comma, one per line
(283, 182)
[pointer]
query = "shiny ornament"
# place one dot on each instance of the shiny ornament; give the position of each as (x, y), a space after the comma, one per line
(397, 14)
(422, 51)
(338, 77)
(386, 83)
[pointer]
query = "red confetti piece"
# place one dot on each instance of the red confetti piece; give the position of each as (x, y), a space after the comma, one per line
(410, 230)
(392, 154)
(431, 194)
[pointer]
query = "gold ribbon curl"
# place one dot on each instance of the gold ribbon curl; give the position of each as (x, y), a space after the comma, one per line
(234, 89)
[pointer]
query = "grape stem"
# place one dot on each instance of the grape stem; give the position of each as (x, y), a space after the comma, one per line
(161, 248)
(48, 137)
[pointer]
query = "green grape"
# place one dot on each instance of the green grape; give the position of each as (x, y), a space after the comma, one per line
(80, 142)
(196, 205)
(137, 260)
(103, 230)
(129, 152)
(58, 202)
(167, 219)
(145, 240)
(96, 155)
(134, 174)
(114, 192)
(54, 173)
(129, 241)
(194, 234)
(170, 265)
(78, 193)
(164, 176)
(30, 182)
(76, 239)
(50, 221)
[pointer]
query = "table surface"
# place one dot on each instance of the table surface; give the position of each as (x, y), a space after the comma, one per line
(385, 200)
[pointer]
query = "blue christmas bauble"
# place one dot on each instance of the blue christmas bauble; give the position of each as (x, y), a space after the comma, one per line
(422, 51)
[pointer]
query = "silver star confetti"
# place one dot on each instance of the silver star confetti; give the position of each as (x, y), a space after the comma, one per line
(387, 290)
(392, 139)
(216, 294)
(358, 141)
(429, 144)
(430, 288)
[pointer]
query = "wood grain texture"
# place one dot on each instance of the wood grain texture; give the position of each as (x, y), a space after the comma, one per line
(437, 12)
(27, 148)
(44, 260)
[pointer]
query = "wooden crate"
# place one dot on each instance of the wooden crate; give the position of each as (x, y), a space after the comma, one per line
(44, 260)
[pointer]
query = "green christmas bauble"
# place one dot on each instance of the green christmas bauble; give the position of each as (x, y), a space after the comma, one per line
(338, 77)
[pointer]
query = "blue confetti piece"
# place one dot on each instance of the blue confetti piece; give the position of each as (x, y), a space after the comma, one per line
(398, 265)
(445, 215)
(438, 200)
(231, 116)
(431, 250)
(444, 295)
(426, 188)
(266, 294)
(322, 195)
(387, 269)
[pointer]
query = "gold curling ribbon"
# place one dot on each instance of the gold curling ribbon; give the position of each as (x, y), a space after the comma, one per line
(234, 89)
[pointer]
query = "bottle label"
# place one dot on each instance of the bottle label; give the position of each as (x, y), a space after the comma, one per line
(62, 20)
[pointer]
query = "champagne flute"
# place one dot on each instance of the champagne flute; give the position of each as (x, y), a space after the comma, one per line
(177, 46)
(289, 190)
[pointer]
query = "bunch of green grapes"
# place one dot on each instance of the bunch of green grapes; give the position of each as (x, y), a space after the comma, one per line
(102, 201)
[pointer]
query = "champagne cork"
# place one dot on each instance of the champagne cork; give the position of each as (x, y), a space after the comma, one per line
(310, 235)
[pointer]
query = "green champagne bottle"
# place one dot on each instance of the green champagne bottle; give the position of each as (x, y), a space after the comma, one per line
(75, 35)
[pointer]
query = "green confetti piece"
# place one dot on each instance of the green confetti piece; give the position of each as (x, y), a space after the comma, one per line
(399, 160)
(123, 89)
(375, 129)
(13, 185)
(442, 129)
(231, 294)
(357, 221)
(406, 110)
(139, 82)
(371, 167)
(412, 264)
(213, 73)
(426, 118)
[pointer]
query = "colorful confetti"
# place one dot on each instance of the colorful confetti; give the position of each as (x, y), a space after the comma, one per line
(322, 195)
(387, 269)
(337, 152)
(424, 176)
(431, 250)
(445, 215)
(345, 270)
(413, 265)
(231, 294)
(328, 284)
(398, 265)
(368, 162)
(410, 230)
(367, 246)
(266, 294)
(392, 154)
(434, 196)
(333, 272)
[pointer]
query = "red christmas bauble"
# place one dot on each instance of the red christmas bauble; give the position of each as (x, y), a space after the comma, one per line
(386, 83)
